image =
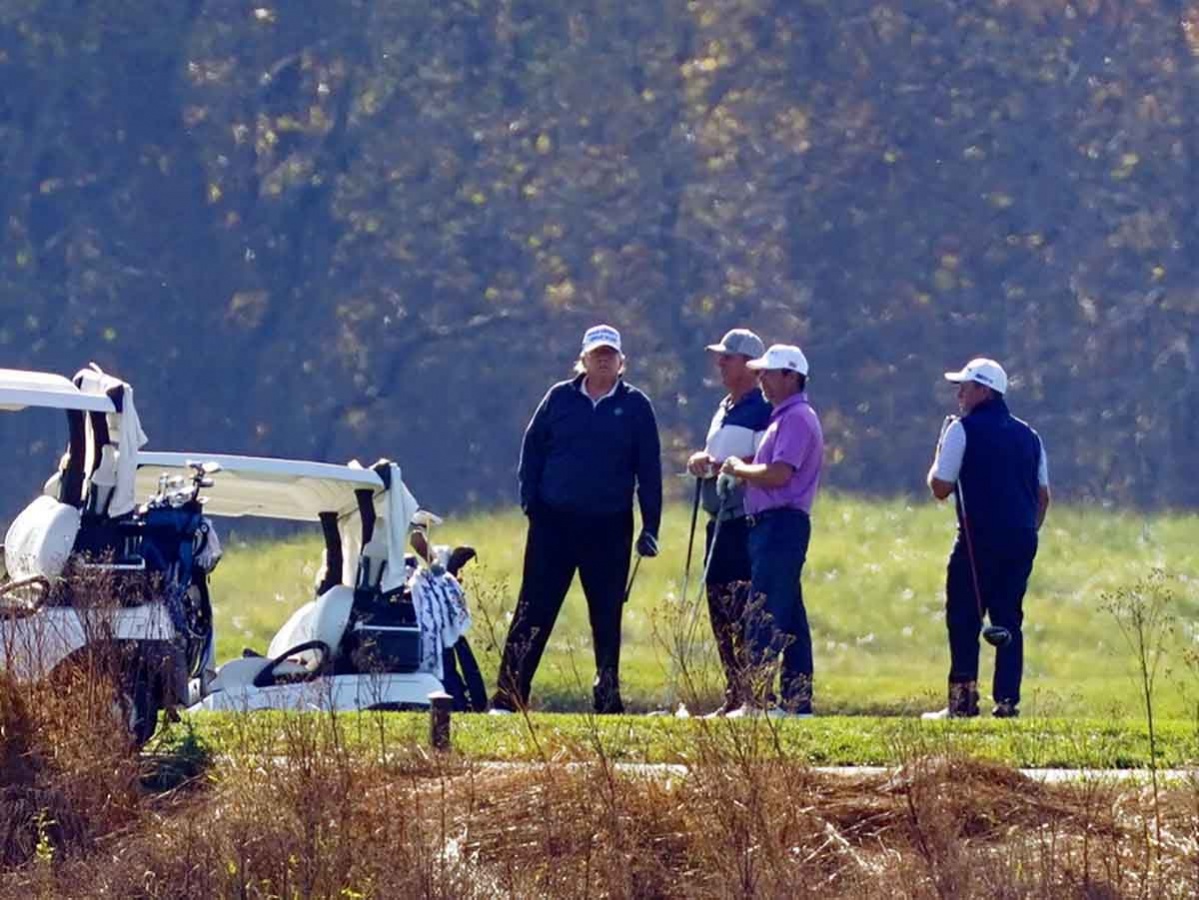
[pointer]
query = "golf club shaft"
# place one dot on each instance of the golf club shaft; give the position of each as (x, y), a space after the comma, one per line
(693, 618)
(978, 594)
(699, 485)
(633, 577)
(712, 547)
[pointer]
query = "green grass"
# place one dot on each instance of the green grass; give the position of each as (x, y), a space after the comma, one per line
(873, 585)
(821, 741)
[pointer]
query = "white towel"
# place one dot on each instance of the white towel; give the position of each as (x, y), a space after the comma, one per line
(401, 506)
(441, 613)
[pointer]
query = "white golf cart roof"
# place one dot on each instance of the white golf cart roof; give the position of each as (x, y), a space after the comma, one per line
(304, 491)
(20, 389)
(262, 486)
(105, 431)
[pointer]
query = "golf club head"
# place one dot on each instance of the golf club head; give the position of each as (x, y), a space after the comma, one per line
(459, 557)
(997, 636)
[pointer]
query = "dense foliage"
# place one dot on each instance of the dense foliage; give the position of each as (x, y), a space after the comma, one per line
(357, 228)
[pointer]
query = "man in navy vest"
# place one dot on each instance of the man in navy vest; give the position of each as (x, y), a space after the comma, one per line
(995, 466)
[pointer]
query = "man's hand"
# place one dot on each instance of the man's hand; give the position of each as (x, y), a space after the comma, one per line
(701, 464)
(647, 544)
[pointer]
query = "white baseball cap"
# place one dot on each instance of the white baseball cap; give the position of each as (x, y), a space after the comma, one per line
(785, 357)
(985, 371)
(601, 336)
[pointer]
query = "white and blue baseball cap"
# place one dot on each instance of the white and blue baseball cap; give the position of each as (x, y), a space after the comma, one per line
(781, 357)
(601, 336)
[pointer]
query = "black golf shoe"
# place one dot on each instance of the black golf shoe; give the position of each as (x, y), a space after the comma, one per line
(1005, 709)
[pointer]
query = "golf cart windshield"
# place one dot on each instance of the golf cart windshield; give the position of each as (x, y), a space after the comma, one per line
(351, 503)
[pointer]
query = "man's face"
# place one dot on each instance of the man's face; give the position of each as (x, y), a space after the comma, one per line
(970, 394)
(734, 373)
(602, 362)
(778, 384)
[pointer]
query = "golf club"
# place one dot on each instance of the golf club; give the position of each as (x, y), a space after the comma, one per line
(724, 490)
(691, 539)
(995, 635)
(633, 577)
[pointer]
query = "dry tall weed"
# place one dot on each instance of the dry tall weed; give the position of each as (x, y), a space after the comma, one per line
(294, 809)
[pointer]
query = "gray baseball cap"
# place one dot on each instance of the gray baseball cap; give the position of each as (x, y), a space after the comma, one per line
(740, 340)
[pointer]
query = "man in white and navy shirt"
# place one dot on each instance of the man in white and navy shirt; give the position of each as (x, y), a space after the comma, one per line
(995, 466)
(736, 430)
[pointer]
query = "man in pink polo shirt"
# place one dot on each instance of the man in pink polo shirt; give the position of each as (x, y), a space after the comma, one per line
(781, 484)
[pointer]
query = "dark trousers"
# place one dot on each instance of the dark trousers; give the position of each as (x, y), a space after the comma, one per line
(728, 586)
(1002, 569)
(559, 544)
(776, 619)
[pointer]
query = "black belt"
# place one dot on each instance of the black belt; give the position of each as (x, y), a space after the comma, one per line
(759, 517)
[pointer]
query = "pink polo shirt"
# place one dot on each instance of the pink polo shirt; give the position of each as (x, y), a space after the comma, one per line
(793, 437)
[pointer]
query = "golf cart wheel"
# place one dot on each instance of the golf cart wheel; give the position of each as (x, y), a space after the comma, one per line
(138, 707)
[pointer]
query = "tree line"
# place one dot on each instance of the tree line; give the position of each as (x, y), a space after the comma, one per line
(378, 227)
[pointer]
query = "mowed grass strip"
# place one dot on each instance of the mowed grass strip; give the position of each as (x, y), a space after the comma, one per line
(821, 741)
(873, 585)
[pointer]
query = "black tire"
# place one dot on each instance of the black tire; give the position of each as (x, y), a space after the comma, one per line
(139, 707)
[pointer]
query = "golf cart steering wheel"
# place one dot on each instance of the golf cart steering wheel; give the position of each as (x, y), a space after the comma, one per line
(266, 677)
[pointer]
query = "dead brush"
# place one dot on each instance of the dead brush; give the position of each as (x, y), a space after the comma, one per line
(31, 810)
(295, 809)
(295, 812)
(68, 773)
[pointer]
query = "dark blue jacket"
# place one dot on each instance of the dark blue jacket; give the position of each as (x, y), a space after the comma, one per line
(997, 485)
(582, 458)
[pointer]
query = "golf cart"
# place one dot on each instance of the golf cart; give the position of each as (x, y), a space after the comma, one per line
(88, 577)
(383, 627)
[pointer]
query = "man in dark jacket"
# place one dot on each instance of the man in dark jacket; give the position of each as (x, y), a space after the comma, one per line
(995, 466)
(591, 443)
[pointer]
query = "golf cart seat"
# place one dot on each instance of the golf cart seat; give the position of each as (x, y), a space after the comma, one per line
(40, 539)
(302, 647)
(323, 619)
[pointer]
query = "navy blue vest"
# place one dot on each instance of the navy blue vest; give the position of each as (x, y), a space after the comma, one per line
(997, 484)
